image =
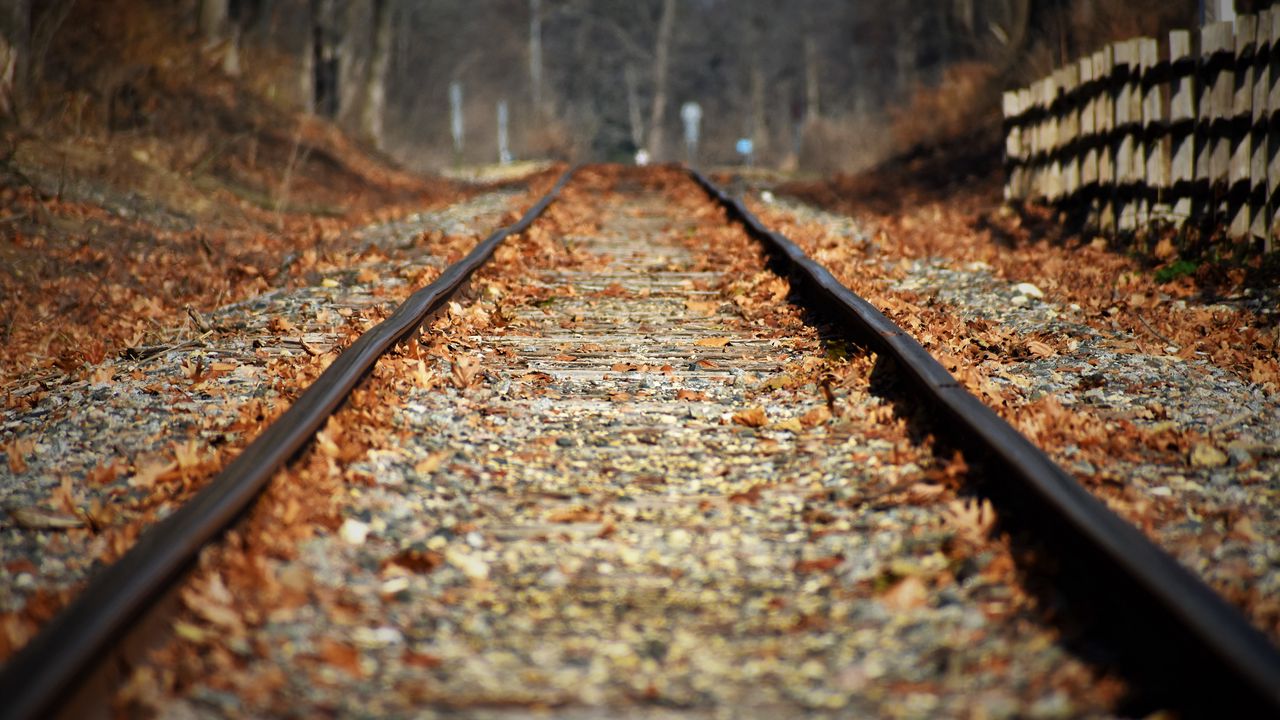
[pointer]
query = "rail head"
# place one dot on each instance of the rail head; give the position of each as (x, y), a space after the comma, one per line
(38, 679)
(1210, 622)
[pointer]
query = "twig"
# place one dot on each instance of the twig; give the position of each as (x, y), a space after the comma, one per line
(1153, 331)
(1231, 422)
(282, 196)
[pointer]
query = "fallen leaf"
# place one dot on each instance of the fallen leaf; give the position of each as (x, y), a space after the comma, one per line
(908, 593)
(702, 307)
(789, 424)
(753, 417)
(340, 655)
(420, 659)
(152, 472)
(815, 416)
(35, 518)
(971, 518)
(822, 564)
(464, 372)
(1039, 349)
(714, 342)
(576, 514)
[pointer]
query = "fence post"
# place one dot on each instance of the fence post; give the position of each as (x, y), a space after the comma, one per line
(1012, 143)
(1273, 131)
(1103, 65)
(1024, 101)
(1088, 140)
(1125, 137)
(1239, 126)
(1182, 125)
(1052, 163)
(1216, 86)
(1036, 163)
(1259, 209)
(1156, 153)
(1069, 130)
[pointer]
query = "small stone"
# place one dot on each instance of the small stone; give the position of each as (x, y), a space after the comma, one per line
(1028, 290)
(1239, 456)
(1206, 455)
(353, 532)
(470, 565)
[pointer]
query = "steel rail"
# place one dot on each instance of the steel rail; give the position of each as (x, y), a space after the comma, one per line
(1230, 663)
(40, 677)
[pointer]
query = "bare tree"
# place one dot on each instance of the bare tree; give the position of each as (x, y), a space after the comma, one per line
(15, 48)
(661, 53)
(375, 85)
(535, 55)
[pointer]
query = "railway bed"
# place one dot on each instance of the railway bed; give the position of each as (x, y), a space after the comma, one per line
(628, 469)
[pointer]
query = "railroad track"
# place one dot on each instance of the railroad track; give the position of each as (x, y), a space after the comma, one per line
(627, 468)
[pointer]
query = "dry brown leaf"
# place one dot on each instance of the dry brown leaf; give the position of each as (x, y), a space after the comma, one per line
(153, 472)
(972, 519)
(713, 342)
(815, 416)
(702, 307)
(464, 372)
(752, 417)
(340, 655)
(922, 493)
(37, 518)
(789, 424)
(822, 564)
(576, 514)
(908, 593)
(1039, 349)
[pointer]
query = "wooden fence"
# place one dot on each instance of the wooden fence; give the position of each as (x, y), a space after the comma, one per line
(1133, 137)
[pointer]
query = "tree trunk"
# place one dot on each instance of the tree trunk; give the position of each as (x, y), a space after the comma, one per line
(213, 19)
(811, 95)
(661, 50)
(15, 47)
(324, 63)
(351, 65)
(46, 22)
(759, 127)
(375, 99)
(535, 56)
(635, 115)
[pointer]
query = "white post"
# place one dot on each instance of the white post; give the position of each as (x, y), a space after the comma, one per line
(455, 119)
(504, 150)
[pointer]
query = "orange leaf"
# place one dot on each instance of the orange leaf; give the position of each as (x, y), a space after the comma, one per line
(714, 342)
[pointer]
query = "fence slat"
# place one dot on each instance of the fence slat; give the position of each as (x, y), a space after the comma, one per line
(1182, 128)
(1104, 117)
(1088, 131)
(1125, 138)
(1012, 143)
(1155, 148)
(1273, 130)
(1239, 126)
(1214, 144)
(1260, 213)
(1069, 131)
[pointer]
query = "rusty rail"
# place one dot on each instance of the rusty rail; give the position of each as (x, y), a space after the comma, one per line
(1208, 655)
(40, 677)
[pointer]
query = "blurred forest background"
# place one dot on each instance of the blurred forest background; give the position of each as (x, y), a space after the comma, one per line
(817, 85)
